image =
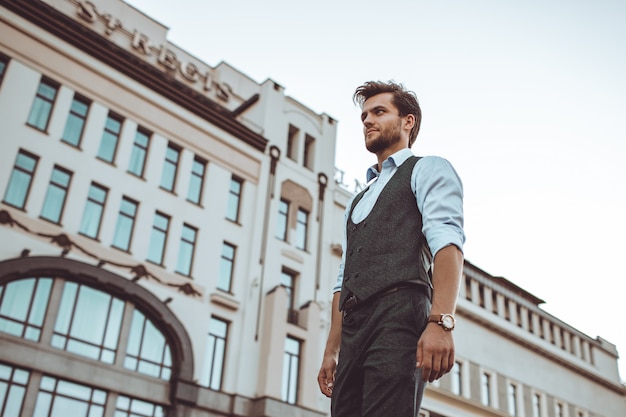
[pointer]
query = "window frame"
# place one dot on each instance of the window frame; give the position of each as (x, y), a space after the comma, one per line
(101, 205)
(282, 220)
(31, 176)
(111, 115)
(173, 165)
(234, 199)
(132, 218)
(78, 98)
(290, 386)
(164, 232)
(211, 377)
(65, 188)
(231, 263)
(302, 229)
(40, 97)
(197, 178)
(140, 149)
(187, 243)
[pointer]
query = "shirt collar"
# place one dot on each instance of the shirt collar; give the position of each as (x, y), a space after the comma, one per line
(396, 160)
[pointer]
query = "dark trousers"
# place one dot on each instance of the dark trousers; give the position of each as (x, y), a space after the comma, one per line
(376, 374)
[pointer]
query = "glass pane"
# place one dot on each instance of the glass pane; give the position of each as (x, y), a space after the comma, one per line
(90, 317)
(53, 204)
(47, 91)
(42, 406)
(91, 219)
(107, 146)
(73, 129)
(40, 113)
(114, 324)
(185, 254)
(113, 125)
(169, 174)
(64, 407)
(157, 244)
(123, 230)
(19, 183)
(152, 344)
(40, 302)
(17, 298)
(66, 306)
(136, 331)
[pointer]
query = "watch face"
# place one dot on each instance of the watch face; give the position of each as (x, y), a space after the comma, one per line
(447, 321)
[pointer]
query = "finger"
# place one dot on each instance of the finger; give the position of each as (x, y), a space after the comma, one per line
(419, 354)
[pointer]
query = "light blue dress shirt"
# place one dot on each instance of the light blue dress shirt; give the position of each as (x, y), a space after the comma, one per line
(439, 194)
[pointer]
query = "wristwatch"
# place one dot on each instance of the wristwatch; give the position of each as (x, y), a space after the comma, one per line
(444, 320)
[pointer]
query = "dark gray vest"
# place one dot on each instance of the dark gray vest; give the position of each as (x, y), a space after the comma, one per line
(388, 246)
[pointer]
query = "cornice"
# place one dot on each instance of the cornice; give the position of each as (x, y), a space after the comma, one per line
(126, 63)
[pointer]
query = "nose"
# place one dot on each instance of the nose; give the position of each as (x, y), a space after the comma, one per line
(367, 120)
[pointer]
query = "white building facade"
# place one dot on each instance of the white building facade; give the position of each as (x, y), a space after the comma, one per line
(170, 235)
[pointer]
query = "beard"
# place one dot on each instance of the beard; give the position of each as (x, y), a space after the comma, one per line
(387, 137)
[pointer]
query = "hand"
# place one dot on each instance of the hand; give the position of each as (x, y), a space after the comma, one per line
(326, 375)
(435, 352)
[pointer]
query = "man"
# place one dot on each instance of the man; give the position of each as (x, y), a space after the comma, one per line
(393, 305)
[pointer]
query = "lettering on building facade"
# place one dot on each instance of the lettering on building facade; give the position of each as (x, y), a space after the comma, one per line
(166, 59)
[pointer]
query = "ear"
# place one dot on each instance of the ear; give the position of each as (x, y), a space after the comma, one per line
(409, 121)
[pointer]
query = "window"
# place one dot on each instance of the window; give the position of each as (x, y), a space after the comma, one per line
(291, 364)
(59, 398)
(76, 120)
(302, 220)
(20, 180)
(234, 199)
(110, 137)
(132, 407)
(309, 151)
(170, 167)
(215, 354)
(281, 222)
(227, 264)
(147, 352)
(457, 383)
(88, 323)
(292, 142)
(84, 321)
(512, 399)
(125, 224)
(42, 106)
(536, 404)
(92, 217)
(186, 250)
(55, 196)
(559, 409)
(139, 152)
(13, 382)
(158, 238)
(288, 281)
(23, 305)
(485, 388)
(196, 181)
(4, 62)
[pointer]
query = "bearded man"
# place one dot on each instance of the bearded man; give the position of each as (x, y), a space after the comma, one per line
(394, 302)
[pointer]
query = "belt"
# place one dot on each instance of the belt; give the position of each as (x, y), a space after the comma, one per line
(352, 302)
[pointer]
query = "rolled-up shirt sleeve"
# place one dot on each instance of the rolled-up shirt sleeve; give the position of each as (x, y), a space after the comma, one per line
(439, 195)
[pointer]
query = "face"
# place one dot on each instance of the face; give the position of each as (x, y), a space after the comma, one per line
(382, 124)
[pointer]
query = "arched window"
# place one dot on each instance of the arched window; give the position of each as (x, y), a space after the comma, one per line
(86, 346)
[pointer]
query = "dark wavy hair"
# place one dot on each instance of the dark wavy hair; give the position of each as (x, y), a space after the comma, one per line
(403, 99)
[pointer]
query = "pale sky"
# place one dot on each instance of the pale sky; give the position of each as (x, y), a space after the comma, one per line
(527, 99)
